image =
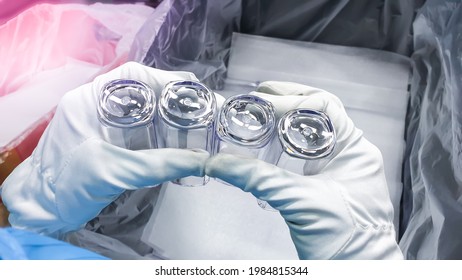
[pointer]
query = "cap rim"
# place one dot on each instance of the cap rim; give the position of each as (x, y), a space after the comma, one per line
(108, 118)
(200, 121)
(262, 138)
(298, 151)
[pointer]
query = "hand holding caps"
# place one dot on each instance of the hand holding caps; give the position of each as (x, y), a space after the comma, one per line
(73, 174)
(342, 212)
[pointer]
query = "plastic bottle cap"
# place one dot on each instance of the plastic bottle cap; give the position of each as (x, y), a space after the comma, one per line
(246, 120)
(187, 104)
(306, 134)
(126, 103)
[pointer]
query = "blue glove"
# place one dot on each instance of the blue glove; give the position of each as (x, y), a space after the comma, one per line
(17, 244)
(73, 174)
(342, 212)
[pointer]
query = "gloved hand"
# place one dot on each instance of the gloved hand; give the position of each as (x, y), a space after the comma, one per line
(342, 212)
(73, 174)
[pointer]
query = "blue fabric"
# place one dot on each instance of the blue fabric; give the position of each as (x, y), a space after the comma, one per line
(10, 248)
(19, 245)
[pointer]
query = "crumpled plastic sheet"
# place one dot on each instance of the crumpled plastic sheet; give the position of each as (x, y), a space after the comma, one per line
(10, 9)
(190, 36)
(44, 37)
(117, 232)
(432, 198)
(196, 35)
(48, 50)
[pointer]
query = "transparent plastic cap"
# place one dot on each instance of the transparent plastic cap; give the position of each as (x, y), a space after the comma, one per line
(187, 104)
(246, 120)
(306, 134)
(126, 103)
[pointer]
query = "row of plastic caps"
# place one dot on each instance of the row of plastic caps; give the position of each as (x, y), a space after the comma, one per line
(187, 117)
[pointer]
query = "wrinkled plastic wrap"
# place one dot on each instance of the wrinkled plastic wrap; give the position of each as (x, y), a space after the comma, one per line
(10, 9)
(189, 35)
(44, 37)
(196, 35)
(432, 198)
(117, 232)
(48, 50)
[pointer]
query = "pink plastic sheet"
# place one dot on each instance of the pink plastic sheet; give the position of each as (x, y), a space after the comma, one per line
(9, 9)
(50, 49)
(48, 36)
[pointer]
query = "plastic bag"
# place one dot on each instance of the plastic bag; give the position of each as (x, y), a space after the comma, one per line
(195, 36)
(432, 198)
(190, 36)
(43, 57)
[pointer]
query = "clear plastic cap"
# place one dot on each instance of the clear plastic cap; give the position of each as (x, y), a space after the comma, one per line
(246, 120)
(126, 103)
(187, 104)
(306, 134)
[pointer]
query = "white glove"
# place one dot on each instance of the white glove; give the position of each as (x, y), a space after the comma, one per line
(344, 211)
(73, 174)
